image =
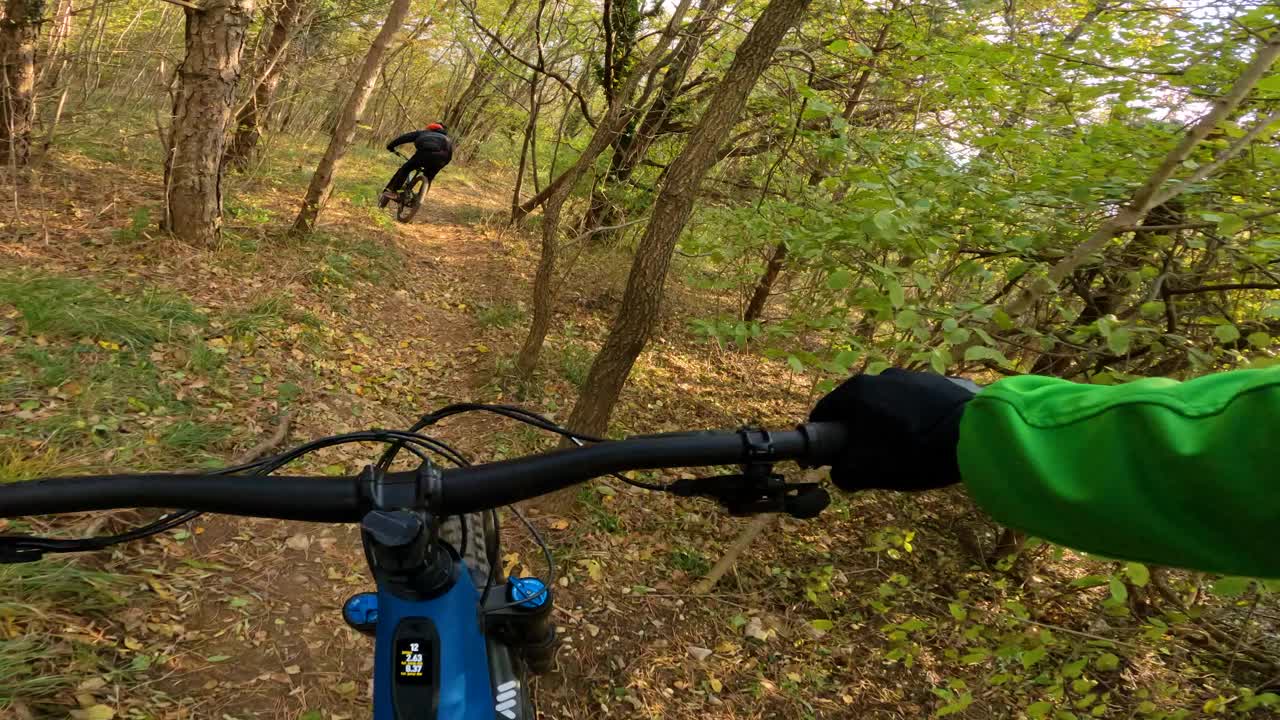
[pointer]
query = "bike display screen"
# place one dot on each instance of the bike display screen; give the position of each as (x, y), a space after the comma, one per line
(413, 661)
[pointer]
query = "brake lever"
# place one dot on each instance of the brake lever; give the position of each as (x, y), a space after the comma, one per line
(745, 494)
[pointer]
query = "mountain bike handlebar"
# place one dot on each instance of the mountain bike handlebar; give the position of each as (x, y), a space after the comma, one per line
(461, 490)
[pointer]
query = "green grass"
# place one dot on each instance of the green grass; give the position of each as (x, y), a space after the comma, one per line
(53, 368)
(139, 221)
(347, 262)
(22, 463)
(264, 314)
(573, 360)
(690, 561)
(499, 315)
(74, 309)
(192, 438)
(592, 498)
(32, 595)
(365, 192)
(204, 359)
(246, 213)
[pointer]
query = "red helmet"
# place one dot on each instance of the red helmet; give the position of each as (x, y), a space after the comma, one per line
(436, 127)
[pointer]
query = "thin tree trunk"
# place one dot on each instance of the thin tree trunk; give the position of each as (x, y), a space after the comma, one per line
(201, 111)
(615, 120)
(765, 286)
(322, 181)
(526, 207)
(19, 29)
(530, 129)
(629, 149)
(53, 62)
(457, 115)
(642, 300)
(252, 118)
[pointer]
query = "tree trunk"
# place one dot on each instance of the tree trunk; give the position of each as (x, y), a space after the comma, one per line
(252, 118)
(642, 300)
(530, 130)
(614, 121)
(526, 207)
(201, 111)
(765, 286)
(322, 181)
(459, 113)
(630, 148)
(19, 29)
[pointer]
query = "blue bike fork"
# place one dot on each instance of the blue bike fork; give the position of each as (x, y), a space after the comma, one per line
(431, 657)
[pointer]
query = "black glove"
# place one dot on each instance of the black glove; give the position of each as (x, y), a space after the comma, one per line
(904, 427)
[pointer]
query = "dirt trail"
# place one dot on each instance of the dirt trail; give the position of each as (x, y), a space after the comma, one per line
(272, 623)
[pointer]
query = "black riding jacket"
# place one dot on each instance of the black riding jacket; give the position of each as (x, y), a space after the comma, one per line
(427, 142)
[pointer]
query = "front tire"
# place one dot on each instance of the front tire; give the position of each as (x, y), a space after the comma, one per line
(474, 546)
(413, 194)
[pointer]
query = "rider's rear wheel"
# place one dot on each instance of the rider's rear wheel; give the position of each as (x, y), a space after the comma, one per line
(411, 197)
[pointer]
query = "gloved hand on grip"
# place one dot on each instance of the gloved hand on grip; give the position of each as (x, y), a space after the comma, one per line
(904, 427)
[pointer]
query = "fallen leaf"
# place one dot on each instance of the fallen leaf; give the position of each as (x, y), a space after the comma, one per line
(293, 669)
(715, 685)
(699, 653)
(95, 712)
(93, 683)
(298, 542)
(756, 629)
(559, 524)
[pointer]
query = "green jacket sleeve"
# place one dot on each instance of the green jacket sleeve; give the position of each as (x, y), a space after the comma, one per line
(1181, 474)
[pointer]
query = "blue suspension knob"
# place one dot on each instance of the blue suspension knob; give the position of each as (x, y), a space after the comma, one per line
(529, 592)
(361, 612)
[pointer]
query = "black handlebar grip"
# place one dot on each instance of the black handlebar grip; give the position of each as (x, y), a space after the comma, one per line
(826, 442)
(318, 499)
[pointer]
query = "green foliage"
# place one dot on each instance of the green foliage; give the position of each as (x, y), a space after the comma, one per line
(75, 309)
(30, 668)
(499, 315)
(348, 262)
(263, 314)
(573, 360)
(690, 561)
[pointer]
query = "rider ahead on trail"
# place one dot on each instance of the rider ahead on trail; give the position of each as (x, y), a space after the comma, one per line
(433, 149)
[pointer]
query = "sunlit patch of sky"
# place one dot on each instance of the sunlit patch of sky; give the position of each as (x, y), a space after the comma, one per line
(1162, 101)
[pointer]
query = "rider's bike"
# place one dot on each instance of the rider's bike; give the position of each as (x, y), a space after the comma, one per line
(452, 639)
(409, 199)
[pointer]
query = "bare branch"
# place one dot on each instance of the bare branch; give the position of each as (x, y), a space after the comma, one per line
(1205, 171)
(1225, 286)
(1197, 225)
(564, 82)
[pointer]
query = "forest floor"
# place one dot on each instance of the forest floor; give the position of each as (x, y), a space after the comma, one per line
(120, 348)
